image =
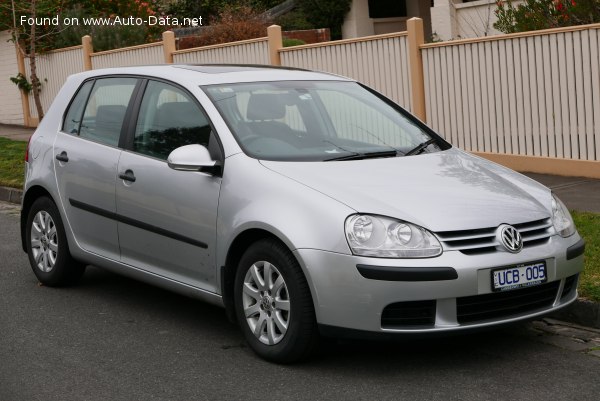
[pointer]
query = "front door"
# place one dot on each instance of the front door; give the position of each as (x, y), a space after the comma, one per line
(167, 218)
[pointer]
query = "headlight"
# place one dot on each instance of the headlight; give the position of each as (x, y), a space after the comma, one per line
(561, 218)
(384, 237)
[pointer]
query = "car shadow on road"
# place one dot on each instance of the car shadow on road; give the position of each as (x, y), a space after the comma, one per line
(135, 298)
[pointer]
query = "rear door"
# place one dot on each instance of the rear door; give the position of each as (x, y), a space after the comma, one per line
(86, 155)
(168, 218)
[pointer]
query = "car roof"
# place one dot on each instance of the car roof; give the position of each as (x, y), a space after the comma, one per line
(210, 74)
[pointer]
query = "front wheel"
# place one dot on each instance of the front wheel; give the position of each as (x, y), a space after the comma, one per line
(47, 246)
(273, 303)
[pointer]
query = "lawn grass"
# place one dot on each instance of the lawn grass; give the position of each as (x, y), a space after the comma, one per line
(588, 225)
(12, 154)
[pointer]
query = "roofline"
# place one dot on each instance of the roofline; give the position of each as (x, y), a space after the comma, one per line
(138, 69)
(263, 66)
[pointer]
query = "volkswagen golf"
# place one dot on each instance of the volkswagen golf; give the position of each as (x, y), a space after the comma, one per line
(305, 204)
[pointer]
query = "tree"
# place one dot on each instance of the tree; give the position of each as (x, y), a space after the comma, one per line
(326, 14)
(32, 24)
(233, 23)
(107, 37)
(543, 14)
(210, 9)
(37, 26)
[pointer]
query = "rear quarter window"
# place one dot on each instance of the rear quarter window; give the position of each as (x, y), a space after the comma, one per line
(72, 121)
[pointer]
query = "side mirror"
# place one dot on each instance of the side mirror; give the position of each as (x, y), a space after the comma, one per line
(193, 158)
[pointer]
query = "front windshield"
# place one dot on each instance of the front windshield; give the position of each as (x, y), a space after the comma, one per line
(316, 120)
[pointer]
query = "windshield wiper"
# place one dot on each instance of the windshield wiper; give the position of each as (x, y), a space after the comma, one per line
(368, 155)
(418, 149)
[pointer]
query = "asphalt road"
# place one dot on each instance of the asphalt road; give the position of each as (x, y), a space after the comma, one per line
(111, 338)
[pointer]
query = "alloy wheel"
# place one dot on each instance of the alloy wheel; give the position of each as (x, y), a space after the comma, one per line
(266, 303)
(44, 241)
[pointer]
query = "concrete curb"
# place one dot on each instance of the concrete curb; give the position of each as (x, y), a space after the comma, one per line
(11, 195)
(582, 311)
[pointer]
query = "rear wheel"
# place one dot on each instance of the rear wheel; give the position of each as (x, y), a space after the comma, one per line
(273, 303)
(47, 246)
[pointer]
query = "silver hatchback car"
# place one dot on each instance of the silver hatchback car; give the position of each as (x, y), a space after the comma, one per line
(304, 203)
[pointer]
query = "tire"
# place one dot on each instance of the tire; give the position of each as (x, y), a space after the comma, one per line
(276, 315)
(47, 246)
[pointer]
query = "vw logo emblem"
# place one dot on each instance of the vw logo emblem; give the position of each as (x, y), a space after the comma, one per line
(510, 238)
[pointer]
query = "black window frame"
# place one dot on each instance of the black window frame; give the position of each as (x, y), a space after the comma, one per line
(68, 108)
(127, 133)
(127, 112)
(128, 140)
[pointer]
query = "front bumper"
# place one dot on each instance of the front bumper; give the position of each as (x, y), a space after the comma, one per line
(344, 298)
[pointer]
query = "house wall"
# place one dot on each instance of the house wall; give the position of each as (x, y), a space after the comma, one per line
(476, 19)
(11, 109)
(445, 20)
(456, 19)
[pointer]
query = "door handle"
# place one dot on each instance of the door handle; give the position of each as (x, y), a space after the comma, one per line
(127, 176)
(62, 157)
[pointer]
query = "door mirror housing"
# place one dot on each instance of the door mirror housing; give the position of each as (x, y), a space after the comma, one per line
(193, 158)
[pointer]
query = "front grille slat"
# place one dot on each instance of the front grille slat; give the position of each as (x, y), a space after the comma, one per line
(534, 237)
(483, 240)
(506, 304)
(508, 296)
(522, 302)
(466, 234)
(500, 312)
(471, 244)
(534, 225)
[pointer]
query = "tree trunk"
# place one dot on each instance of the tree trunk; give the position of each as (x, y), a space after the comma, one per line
(35, 82)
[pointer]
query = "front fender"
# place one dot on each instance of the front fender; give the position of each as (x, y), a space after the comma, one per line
(255, 197)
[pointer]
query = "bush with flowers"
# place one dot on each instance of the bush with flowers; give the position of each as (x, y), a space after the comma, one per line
(532, 15)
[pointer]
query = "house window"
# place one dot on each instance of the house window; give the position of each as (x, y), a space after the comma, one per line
(387, 8)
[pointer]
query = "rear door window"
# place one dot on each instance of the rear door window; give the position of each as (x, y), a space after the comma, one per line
(105, 110)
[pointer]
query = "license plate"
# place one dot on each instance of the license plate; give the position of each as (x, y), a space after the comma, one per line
(520, 276)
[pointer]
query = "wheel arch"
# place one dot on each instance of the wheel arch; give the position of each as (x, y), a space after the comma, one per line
(234, 253)
(32, 194)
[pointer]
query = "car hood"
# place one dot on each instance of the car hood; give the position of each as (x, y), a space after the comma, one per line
(442, 191)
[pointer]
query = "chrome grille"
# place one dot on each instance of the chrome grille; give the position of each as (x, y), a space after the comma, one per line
(484, 240)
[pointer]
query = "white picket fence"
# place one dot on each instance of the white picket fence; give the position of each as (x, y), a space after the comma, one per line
(534, 95)
(530, 94)
(255, 51)
(151, 53)
(53, 68)
(380, 62)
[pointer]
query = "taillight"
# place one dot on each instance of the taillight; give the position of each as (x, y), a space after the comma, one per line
(27, 150)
